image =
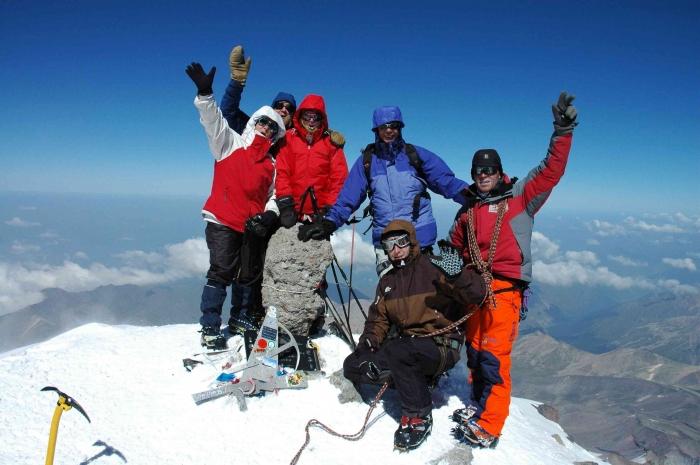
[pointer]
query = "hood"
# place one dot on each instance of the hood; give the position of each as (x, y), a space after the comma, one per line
(406, 226)
(311, 102)
(249, 131)
(386, 114)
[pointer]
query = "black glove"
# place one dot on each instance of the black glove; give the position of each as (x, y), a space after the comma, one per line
(468, 288)
(261, 224)
(202, 80)
(450, 261)
(317, 231)
(288, 217)
(440, 301)
(564, 114)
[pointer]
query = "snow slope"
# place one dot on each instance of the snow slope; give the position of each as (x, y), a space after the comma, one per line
(131, 382)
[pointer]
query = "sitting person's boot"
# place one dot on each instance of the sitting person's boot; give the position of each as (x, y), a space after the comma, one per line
(212, 338)
(412, 432)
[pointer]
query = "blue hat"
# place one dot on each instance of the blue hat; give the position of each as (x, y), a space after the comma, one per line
(383, 115)
(284, 96)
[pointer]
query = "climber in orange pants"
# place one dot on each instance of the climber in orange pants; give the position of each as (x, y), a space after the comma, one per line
(493, 231)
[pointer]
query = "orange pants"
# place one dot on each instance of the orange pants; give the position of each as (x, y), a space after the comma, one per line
(490, 335)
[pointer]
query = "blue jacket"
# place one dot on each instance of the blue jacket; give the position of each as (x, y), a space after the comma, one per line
(230, 107)
(394, 185)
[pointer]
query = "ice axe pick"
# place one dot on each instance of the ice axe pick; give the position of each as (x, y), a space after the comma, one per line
(65, 403)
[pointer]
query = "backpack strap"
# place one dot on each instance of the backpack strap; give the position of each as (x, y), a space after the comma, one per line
(367, 164)
(417, 164)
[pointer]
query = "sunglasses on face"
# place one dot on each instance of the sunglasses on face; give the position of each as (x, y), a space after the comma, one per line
(487, 170)
(393, 125)
(267, 122)
(283, 104)
(311, 116)
(399, 241)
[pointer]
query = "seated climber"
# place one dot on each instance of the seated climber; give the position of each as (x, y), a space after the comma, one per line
(422, 301)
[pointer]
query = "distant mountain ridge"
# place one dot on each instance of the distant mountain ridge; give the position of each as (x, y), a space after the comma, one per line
(630, 401)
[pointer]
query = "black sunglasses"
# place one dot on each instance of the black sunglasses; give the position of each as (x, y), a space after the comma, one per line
(392, 125)
(284, 104)
(265, 121)
(487, 170)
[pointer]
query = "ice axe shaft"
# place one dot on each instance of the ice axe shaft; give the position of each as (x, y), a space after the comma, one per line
(65, 403)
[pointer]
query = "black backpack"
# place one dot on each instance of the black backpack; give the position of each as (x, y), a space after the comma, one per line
(417, 164)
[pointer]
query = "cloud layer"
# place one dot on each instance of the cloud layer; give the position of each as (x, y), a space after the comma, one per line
(569, 268)
(22, 285)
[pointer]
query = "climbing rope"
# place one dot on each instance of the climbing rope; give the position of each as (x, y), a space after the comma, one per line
(484, 267)
(349, 437)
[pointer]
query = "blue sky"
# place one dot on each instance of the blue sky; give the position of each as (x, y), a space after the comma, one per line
(95, 98)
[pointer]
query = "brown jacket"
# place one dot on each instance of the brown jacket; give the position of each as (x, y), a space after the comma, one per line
(401, 293)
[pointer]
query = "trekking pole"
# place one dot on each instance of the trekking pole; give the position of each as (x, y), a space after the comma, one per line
(342, 301)
(352, 254)
(342, 273)
(65, 403)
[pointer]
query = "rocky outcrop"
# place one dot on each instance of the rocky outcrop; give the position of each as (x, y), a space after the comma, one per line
(293, 271)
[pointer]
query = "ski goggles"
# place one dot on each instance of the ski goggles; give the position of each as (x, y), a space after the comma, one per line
(487, 170)
(399, 241)
(392, 125)
(267, 122)
(311, 116)
(284, 104)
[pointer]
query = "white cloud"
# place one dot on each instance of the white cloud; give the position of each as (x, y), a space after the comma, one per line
(542, 246)
(342, 243)
(676, 287)
(22, 247)
(20, 223)
(682, 263)
(605, 228)
(681, 218)
(622, 260)
(644, 226)
(570, 272)
(22, 285)
(592, 242)
(584, 257)
(80, 255)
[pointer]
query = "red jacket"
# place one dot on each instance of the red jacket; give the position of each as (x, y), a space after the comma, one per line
(241, 184)
(301, 164)
(525, 197)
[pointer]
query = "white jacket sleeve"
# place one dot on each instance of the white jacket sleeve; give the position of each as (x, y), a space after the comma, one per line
(271, 204)
(222, 139)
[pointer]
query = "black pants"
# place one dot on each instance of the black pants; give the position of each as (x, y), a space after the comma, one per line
(234, 259)
(412, 363)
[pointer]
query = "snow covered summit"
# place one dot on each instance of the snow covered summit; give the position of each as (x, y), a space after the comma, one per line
(131, 382)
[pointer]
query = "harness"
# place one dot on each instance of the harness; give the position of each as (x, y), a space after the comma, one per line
(417, 164)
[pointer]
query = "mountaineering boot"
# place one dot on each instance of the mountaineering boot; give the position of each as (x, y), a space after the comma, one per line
(464, 414)
(212, 338)
(475, 435)
(240, 324)
(412, 432)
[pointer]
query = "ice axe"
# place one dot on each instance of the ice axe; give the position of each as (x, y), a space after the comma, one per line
(65, 403)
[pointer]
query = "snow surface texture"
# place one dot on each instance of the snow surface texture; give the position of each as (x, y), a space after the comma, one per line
(131, 382)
